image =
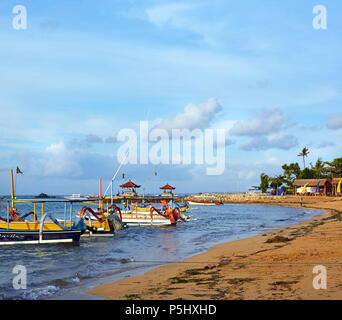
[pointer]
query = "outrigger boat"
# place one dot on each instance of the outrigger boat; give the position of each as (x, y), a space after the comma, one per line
(166, 215)
(129, 214)
(149, 210)
(131, 208)
(100, 221)
(15, 228)
(210, 203)
(146, 207)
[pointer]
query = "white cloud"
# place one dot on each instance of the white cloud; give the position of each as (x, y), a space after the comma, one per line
(274, 161)
(264, 122)
(325, 144)
(182, 16)
(335, 121)
(59, 161)
(195, 116)
(166, 13)
(276, 141)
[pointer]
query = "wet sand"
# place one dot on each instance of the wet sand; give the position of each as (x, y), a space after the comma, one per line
(276, 265)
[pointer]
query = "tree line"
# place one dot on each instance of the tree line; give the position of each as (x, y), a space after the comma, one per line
(320, 170)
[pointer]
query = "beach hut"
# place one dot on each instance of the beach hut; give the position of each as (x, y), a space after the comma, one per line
(167, 190)
(129, 189)
(336, 186)
(313, 187)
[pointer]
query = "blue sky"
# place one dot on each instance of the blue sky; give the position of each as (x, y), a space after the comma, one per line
(83, 70)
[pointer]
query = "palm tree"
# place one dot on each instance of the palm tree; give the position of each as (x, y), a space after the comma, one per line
(264, 183)
(291, 173)
(305, 152)
(276, 182)
(319, 168)
(334, 168)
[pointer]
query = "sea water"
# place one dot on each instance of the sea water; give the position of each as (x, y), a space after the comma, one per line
(66, 270)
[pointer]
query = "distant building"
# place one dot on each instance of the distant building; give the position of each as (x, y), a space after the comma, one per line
(167, 190)
(313, 187)
(129, 189)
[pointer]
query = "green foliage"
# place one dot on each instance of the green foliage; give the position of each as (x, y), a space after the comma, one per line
(334, 168)
(321, 169)
(291, 173)
(304, 153)
(307, 173)
(264, 183)
(277, 182)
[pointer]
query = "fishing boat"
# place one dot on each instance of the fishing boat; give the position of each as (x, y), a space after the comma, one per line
(155, 210)
(205, 203)
(101, 221)
(146, 207)
(16, 228)
(132, 208)
(166, 214)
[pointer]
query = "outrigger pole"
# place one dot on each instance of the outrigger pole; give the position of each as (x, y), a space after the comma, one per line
(12, 189)
(147, 181)
(111, 182)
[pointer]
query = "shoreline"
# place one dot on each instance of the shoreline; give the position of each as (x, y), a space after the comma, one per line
(237, 269)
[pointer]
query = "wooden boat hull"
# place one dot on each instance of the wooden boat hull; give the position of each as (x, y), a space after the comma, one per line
(31, 225)
(144, 219)
(137, 219)
(194, 203)
(147, 209)
(33, 237)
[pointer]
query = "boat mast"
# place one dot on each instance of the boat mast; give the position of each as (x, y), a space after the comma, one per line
(100, 194)
(12, 189)
(116, 173)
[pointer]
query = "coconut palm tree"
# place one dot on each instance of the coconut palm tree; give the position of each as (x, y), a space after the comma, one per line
(305, 152)
(334, 168)
(264, 183)
(319, 168)
(276, 182)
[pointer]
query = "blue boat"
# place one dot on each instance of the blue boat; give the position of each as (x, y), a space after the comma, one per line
(15, 228)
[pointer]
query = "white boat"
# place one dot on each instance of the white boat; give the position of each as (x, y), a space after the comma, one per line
(144, 218)
(76, 196)
(199, 203)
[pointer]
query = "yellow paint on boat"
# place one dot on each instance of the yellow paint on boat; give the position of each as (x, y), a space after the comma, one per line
(31, 225)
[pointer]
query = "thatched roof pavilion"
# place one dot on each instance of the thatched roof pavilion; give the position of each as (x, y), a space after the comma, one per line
(324, 185)
(167, 190)
(129, 188)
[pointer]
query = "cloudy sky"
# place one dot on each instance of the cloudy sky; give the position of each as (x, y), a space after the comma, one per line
(84, 70)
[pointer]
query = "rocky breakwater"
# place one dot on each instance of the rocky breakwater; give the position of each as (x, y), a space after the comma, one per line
(258, 198)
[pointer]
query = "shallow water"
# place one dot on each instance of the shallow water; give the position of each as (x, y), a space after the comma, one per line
(57, 270)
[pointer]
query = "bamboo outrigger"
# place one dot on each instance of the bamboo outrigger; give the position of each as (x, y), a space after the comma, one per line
(101, 222)
(16, 228)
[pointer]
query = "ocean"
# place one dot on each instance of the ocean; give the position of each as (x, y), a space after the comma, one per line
(57, 271)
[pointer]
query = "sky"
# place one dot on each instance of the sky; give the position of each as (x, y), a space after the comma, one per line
(83, 71)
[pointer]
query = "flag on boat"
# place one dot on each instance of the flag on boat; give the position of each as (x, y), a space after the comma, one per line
(18, 171)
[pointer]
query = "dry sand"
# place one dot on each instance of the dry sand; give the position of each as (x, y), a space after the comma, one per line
(277, 265)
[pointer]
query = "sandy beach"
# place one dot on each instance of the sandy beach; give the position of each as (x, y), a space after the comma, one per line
(276, 265)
